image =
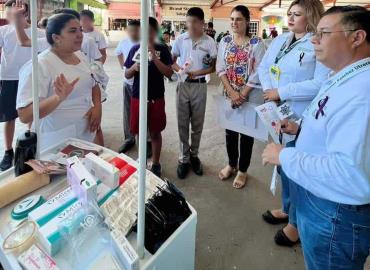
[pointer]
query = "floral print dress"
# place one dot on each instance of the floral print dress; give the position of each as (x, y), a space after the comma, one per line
(239, 63)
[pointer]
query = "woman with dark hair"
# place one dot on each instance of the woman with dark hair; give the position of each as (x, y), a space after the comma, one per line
(70, 99)
(237, 61)
(290, 75)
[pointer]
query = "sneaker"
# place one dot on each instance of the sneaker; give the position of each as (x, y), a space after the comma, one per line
(149, 152)
(183, 170)
(157, 170)
(7, 161)
(126, 146)
(196, 165)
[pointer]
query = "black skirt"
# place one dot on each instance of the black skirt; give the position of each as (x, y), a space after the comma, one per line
(8, 100)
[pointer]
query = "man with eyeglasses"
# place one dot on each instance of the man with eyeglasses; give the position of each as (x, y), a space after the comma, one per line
(330, 165)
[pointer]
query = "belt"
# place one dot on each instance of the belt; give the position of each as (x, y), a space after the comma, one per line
(200, 80)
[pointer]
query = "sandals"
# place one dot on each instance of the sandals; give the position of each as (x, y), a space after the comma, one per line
(226, 173)
(240, 180)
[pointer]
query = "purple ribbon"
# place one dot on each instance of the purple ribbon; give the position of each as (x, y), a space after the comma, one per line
(321, 104)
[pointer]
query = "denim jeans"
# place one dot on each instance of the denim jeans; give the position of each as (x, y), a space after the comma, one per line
(288, 207)
(286, 194)
(334, 236)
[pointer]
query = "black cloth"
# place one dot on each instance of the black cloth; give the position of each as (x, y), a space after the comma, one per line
(234, 142)
(8, 100)
(155, 77)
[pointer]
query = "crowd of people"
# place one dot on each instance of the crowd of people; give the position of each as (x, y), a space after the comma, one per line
(320, 69)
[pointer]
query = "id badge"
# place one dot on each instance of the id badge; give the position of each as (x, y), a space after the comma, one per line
(275, 72)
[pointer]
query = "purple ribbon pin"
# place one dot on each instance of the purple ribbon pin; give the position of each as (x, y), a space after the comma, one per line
(321, 104)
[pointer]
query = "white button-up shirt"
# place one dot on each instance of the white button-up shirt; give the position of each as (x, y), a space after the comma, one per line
(301, 75)
(332, 154)
(199, 52)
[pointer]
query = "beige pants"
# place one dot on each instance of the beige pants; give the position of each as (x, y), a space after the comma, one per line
(191, 99)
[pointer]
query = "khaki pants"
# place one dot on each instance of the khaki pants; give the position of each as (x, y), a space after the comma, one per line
(191, 99)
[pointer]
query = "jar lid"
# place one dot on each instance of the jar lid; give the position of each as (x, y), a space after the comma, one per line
(18, 238)
(24, 207)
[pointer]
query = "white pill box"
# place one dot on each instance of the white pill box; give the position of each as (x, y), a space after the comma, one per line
(82, 182)
(49, 234)
(102, 170)
(52, 207)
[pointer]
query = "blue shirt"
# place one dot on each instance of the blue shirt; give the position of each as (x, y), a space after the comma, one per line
(155, 77)
(332, 154)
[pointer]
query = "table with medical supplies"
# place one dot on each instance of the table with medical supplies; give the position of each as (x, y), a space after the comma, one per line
(177, 251)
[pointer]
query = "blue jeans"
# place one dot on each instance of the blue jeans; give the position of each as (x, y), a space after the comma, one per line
(286, 194)
(334, 236)
(288, 207)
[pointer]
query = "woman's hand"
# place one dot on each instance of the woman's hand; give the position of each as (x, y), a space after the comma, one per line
(271, 95)
(94, 116)
(288, 127)
(235, 97)
(19, 9)
(271, 154)
(63, 88)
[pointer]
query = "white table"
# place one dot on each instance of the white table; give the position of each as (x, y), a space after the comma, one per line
(178, 252)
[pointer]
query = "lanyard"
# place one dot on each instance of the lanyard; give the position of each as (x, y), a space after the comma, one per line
(344, 75)
(284, 51)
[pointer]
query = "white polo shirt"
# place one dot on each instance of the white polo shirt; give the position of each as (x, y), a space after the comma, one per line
(124, 48)
(199, 52)
(13, 55)
(332, 154)
(98, 37)
(90, 48)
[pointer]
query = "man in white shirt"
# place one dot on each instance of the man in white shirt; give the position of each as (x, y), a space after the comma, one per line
(197, 54)
(87, 23)
(122, 51)
(13, 57)
(329, 167)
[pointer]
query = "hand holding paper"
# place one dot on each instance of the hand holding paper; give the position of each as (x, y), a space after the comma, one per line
(182, 74)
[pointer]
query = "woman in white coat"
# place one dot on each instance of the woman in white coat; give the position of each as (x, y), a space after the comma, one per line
(70, 99)
(290, 73)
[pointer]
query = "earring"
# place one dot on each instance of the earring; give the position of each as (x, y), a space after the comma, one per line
(307, 28)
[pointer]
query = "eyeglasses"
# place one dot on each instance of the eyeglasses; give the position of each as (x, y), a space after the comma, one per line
(319, 34)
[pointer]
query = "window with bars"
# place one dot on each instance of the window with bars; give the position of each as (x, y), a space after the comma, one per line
(253, 26)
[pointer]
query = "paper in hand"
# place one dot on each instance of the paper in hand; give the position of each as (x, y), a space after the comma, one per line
(274, 180)
(270, 118)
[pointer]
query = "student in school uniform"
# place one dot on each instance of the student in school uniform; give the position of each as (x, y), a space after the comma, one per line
(198, 49)
(238, 57)
(88, 47)
(13, 57)
(160, 63)
(87, 23)
(122, 52)
(70, 99)
(290, 73)
(329, 167)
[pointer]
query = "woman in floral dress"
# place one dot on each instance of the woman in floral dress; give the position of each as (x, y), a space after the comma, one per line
(237, 61)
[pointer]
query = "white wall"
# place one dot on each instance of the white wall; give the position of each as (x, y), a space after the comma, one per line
(221, 25)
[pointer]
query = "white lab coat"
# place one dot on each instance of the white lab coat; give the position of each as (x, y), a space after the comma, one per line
(299, 81)
(67, 120)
